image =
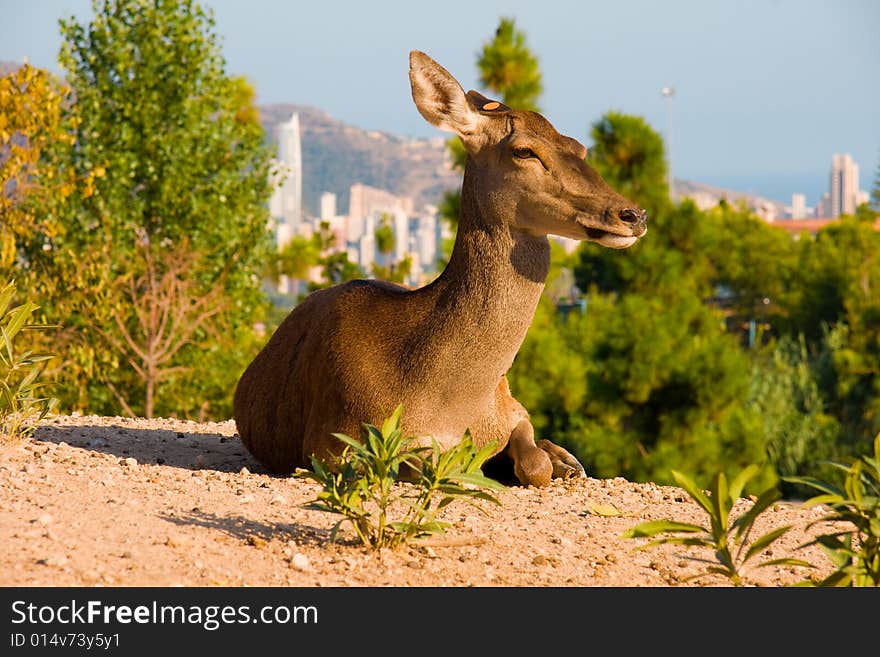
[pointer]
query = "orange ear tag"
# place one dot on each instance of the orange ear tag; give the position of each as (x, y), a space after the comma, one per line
(491, 106)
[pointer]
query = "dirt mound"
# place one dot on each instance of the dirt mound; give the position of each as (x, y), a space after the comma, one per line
(132, 502)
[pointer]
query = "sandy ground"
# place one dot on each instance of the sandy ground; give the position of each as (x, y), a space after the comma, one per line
(95, 501)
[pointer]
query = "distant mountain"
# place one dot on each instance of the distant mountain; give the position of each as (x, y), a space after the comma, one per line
(336, 155)
(707, 195)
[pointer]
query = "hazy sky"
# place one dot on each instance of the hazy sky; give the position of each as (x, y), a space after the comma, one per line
(766, 91)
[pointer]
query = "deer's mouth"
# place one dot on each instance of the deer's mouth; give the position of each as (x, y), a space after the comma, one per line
(614, 240)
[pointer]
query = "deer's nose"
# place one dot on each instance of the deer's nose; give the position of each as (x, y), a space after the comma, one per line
(633, 215)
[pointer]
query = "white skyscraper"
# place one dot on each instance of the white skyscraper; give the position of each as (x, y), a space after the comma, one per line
(286, 202)
(844, 189)
(328, 206)
(798, 206)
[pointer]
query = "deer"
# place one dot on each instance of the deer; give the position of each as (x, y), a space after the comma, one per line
(349, 354)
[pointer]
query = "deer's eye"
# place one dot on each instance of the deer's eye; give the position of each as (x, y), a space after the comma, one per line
(523, 153)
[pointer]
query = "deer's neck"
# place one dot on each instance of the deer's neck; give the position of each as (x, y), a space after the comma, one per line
(488, 293)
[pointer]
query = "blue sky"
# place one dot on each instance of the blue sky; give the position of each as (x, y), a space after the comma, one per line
(766, 91)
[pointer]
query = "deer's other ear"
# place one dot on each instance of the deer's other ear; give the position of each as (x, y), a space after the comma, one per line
(439, 97)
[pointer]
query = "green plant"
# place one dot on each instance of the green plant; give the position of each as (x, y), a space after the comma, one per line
(855, 552)
(20, 406)
(366, 486)
(729, 541)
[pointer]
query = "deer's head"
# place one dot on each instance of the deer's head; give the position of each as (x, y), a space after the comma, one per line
(531, 177)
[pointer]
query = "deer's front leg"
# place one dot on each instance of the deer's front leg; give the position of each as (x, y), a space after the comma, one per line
(531, 464)
(535, 463)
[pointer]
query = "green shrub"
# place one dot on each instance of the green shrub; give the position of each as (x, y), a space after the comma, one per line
(854, 549)
(728, 541)
(365, 484)
(21, 407)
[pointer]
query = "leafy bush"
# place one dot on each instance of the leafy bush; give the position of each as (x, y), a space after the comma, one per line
(364, 486)
(786, 408)
(21, 407)
(729, 541)
(854, 551)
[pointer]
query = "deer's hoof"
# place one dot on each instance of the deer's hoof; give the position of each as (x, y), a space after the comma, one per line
(565, 465)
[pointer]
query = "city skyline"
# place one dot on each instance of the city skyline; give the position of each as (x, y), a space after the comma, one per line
(765, 92)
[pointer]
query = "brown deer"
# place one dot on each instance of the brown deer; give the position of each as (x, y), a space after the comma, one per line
(353, 352)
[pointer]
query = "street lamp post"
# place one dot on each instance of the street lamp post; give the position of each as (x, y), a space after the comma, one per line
(668, 93)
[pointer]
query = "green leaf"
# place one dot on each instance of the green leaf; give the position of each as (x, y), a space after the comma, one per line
(6, 294)
(482, 456)
(828, 500)
(18, 317)
(759, 544)
(838, 578)
(477, 479)
(739, 482)
(786, 561)
(392, 423)
(720, 500)
(744, 523)
(654, 527)
(815, 483)
(696, 494)
(678, 540)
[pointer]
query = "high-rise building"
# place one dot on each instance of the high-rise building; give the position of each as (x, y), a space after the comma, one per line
(364, 200)
(798, 206)
(823, 207)
(844, 188)
(286, 202)
(328, 205)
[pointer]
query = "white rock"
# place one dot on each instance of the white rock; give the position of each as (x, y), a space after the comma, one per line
(300, 562)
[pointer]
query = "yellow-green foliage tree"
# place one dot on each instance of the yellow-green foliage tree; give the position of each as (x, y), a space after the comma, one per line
(35, 121)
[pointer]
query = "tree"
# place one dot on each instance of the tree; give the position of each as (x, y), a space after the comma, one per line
(390, 269)
(508, 67)
(186, 164)
(875, 192)
(385, 240)
(34, 121)
(629, 155)
(836, 306)
(170, 308)
(301, 254)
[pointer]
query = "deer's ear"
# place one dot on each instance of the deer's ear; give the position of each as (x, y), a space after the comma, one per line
(439, 97)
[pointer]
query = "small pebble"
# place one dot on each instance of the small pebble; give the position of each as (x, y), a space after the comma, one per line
(300, 562)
